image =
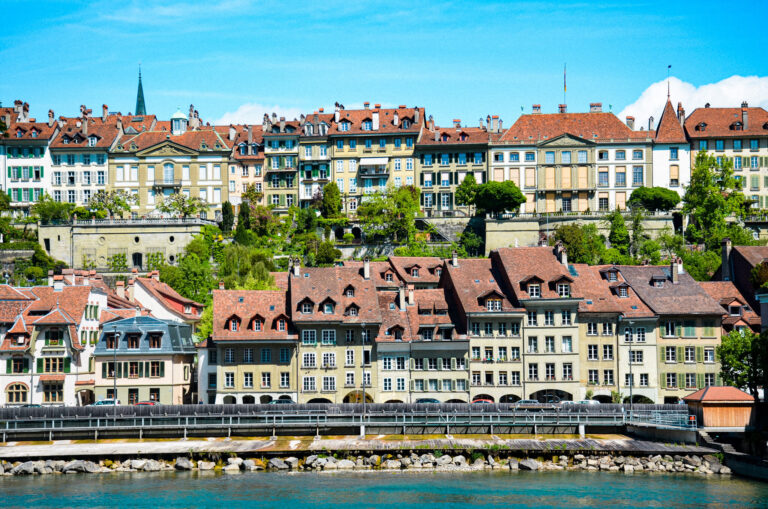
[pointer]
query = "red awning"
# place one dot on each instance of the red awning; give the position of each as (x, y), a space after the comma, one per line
(52, 378)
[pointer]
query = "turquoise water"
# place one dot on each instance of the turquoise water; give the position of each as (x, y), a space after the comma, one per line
(381, 489)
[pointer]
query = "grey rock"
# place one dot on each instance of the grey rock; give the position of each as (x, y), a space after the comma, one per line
(478, 463)
(711, 458)
(445, 459)
(249, 465)
(2, 470)
(346, 465)
(406, 462)
(310, 460)
(513, 464)
(529, 464)
(152, 466)
(391, 465)
(715, 467)
(183, 464)
(331, 465)
(628, 468)
(26, 468)
(319, 463)
(137, 464)
(725, 470)
(206, 465)
(416, 464)
(235, 461)
(277, 464)
(578, 457)
(231, 468)
(374, 460)
(459, 460)
(692, 460)
(491, 461)
(592, 462)
(427, 458)
(292, 462)
(619, 461)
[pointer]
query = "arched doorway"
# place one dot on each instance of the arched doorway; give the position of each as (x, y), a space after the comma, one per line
(249, 400)
(394, 401)
(484, 396)
(603, 398)
(551, 396)
(323, 401)
(265, 399)
(357, 397)
(639, 399)
(509, 398)
(357, 232)
(285, 397)
(671, 400)
(456, 401)
(339, 233)
(137, 259)
(85, 397)
(230, 400)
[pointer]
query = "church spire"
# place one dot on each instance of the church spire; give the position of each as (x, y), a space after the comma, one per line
(140, 107)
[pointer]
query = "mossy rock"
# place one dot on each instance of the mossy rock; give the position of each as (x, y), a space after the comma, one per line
(108, 463)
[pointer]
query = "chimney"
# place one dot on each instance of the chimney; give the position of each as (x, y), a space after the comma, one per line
(595, 107)
(375, 117)
(221, 285)
(366, 268)
(85, 125)
(120, 289)
(282, 124)
(744, 116)
(411, 299)
(562, 108)
(437, 135)
(495, 123)
(416, 115)
(104, 112)
(725, 255)
(50, 118)
(232, 132)
(366, 105)
(50, 278)
(536, 109)
(395, 119)
(564, 256)
(431, 123)
(680, 113)
(131, 287)
(322, 110)
(296, 267)
(631, 123)
(377, 106)
(680, 268)
(481, 122)
(58, 283)
(457, 123)
(120, 123)
(500, 121)
(650, 123)
(250, 137)
(455, 258)
(336, 114)
(673, 271)
(401, 297)
(155, 274)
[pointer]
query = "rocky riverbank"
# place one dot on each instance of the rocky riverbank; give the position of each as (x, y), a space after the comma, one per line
(471, 461)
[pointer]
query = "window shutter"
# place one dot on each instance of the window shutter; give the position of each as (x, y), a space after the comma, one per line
(413, 366)
(26, 365)
(119, 368)
(8, 366)
(663, 381)
(453, 385)
(699, 354)
(700, 380)
(39, 365)
(662, 357)
(141, 369)
(483, 154)
(413, 384)
(453, 362)
(146, 368)
(421, 179)
(103, 370)
(718, 379)
(678, 329)
(42, 174)
(9, 172)
(680, 357)
(162, 368)
(67, 364)
(717, 355)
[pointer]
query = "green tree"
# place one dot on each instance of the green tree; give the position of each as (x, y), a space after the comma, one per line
(251, 195)
(654, 198)
(197, 279)
(391, 214)
(48, 210)
(246, 268)
(117, 263)
(227, 217)
(467, 191)
(115, 203)
(650, 250)
(205, 325)
(182, 205)
(744, 360)
(701, 265)
(759, 275)
(584, 243)
(671, 243)
(496, 197)
(5, 200)
(155, 260)
(638, 236)
(330, 206)
(327, 254)
(618, 235)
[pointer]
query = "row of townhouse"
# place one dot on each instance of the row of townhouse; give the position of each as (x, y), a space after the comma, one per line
(522, 324)
(77, 341)
(563, 162)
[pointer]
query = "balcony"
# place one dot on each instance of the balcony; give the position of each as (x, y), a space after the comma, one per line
(167, 183)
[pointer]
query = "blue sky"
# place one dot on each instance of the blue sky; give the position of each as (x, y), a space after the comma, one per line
(234, 59)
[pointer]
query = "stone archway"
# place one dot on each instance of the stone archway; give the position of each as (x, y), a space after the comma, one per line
(249, 400)
(551, 396)
(265, 399)
(323, 401)
(229, 400)
(509, 398)
(357, 397)
(484, 396)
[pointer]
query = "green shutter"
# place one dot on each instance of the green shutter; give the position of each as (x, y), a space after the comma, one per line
(146, 368)
(25, 364)
(103, 370)
(46, 339)
(413, 384)
(453, 385)
(8, 366)
(700, 380)
(453, 362)
(661, 330)
(680, 354)
(718, 379)
(41, 173)
(699, 354)
(67, 364)
(9, 172)
(662, 357)
(119, 368)
(39, 365)
(162, 368)
(717, 354)
(663, 381)
(678, 329)
(141, 370)
(413, 365)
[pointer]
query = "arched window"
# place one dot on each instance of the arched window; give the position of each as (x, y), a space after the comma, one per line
(16, 393)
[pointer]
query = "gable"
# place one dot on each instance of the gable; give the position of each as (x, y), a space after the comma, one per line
(166, 148)
(566, 140)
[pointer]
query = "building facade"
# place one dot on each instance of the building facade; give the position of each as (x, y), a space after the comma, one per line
(281, 157)
(314, 156)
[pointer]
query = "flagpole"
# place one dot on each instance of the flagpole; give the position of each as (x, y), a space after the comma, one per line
(565, 88)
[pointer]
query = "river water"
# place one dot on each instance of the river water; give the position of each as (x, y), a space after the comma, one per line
(381, 489)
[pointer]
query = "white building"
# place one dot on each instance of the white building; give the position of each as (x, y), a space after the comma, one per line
(671, 151)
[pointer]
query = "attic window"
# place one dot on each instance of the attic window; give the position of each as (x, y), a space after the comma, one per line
(564, 290)
(306, 274)
(187, 309)
(234, 323)
(493, 304)
(65, 141)
(388, 277)
(406, 123)
(438, 271)
(444, 137)
(272, 307)
(344, 126)
(734, 310)
(92, 141)
(350, 292)
(623, 291)
(477, 280)
(701, 127)
(658, 283)
(534, 291)
(391, 305)
(306, 308)
(415, 272)
(19, 133)
(612, 276)
(737, 126)
(351, 310)
(256, 325)
(328, 308)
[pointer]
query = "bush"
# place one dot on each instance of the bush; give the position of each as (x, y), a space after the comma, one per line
(33, 273)
(349, 238)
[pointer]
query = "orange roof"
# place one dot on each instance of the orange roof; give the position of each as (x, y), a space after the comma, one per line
(719, 394)
(52, 378)
(454, 136)
(248, 306)
(670, 130)
(26, 131)
(722, 122)
(534, 128)
(355, 118)
(71, 136)
(193, 140)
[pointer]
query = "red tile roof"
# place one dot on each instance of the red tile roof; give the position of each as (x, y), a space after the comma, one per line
(190, 139)
(105, 134)
(386, 121)
(53, 378)
(392, 317)
(685, 297)
(726, 293)
(520, 264)
(379, 271)
(454, 136)
(29, 131)
(241, 137)
(472, 281)
(534, 128)
(427, 268)
(266, 306)
(318, 284)
(719, 394)
(601, 295)
(55, 317)
(720, 123)
(8, 292)
(170, 298)
(669, 129)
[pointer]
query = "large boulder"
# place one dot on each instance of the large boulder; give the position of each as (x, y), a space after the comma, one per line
(693, 461)
(277, 464)
(391, 465)
(346, 465)
(310, 460)
(26, 468)
(529, 464)
(249, 465)
(183, 464)
(460, 461)
(235, 461)
(443, 460)
(81, 466)
(231, 468)
(374, 460)
(292, 462)
(513, 464)
(152, 466)
(138, 464)
(206, 465)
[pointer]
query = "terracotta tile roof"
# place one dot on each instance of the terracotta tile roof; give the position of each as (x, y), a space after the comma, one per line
(427, 268)
(55, 317)
(136, 123)
(474, 280)
(7, 292)
(522, 264)
(105, 134)
(266, 306)
(294, 124)
(713, 393)
(669, 129)
(257, 136)
(534, 128)
(379, 271)
(10, 344)
(601, 295)
(71, 299)
(53, 378)
(720, 123)
(754, 255)
(726, 293)
(684, 298)
(85, 382)
(19, 327)
(29, 131)
(192, 140)
(454, 136)
(318, 284)
(170, 298)
(110, 314)
(281, 279)
(392, 318)
(431, 310)
(386, 121)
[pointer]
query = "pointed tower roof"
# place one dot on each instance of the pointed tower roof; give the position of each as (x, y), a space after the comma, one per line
(670, 130)
(140, 107)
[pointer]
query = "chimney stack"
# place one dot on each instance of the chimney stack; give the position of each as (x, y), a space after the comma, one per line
(562, 108)
(416, 116)
(120, 123)
(681, 113)
(725, 256)
(631, 123)
(401, 297)
(232, 132)
(120, 289)
(155, 274)
(366, 268)
(250, 138)
(411, 299)
(336, 114)
(282, 124)
(495, 123)
(366, 105)
(296, 267)
(395, 119)
(375, 118)
(650, 123)
(455, 258)
(595, 107)
(221, 285)
(536, 109)
(50, 118)
(50, 278)
(673, 271)
(744, 116)
(457, 123)
(431, 123)
(104, 113)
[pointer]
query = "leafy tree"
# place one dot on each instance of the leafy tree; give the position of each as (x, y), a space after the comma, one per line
(759, 275)
(713, 195)
(196, 278)
(155, 260)
(472, 242)
(205, 325)
(618, 235)
(251, 195)
(744, 360)
(182, 205)
(5, 200)
(584, 243)
(117, 263)
(86, 213)
(650, 250)
(390, 215)
(670, 243)
(263, 222)
(654, 198)
(467, 191)
(327, 254)
(246, 268)
(306, 220)
(115, 203)
(49, 210)
(330, 205)
(637, 229)
(701, 265)
(496, 197)
(227, 217)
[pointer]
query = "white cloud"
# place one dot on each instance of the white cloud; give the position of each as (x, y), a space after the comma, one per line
(253, 113)
(730, 92)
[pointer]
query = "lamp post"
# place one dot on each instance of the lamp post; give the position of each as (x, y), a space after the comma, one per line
(114, 367)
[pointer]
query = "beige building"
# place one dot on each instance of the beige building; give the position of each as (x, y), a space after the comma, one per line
(281, 162)
(246, 165)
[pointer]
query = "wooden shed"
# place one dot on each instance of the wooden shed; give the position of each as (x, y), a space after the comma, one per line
(721, 407)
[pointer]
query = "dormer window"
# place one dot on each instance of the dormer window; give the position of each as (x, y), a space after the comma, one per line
(34, 134)
(406, 123)
(612, 276)
(658, 283)
(306, 308)
(187, 309)
(367, 125)
(133, 342)
(19, 133)
(493, 304)
(564, 290)
(281, 324)
(234, 323)
(65, 141)
(734, 310)
(534, 291)
(350, 292)
(398, 334)
(92, 141)
(623, 292)
(155, 340)
(415, 272)
(701, 127)
(256, 325)
(344, 126)
(352, 311)
(388, 277)
(444, 137)
(328, 308)
(438, 271)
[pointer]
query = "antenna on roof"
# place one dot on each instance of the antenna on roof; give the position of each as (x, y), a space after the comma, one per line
(668, 68)
(564, 87)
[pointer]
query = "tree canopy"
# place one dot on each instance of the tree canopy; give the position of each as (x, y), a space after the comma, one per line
(654, 198)
(467, 191)
(330, 204)
(744, 360)
(49, 210)
(227, 217)
(391, 214)
(584, 243)
(496, 197)
(619, 235)
(182, 205)
(114, 203)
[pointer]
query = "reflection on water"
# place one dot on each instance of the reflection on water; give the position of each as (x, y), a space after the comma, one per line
(381, 489)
